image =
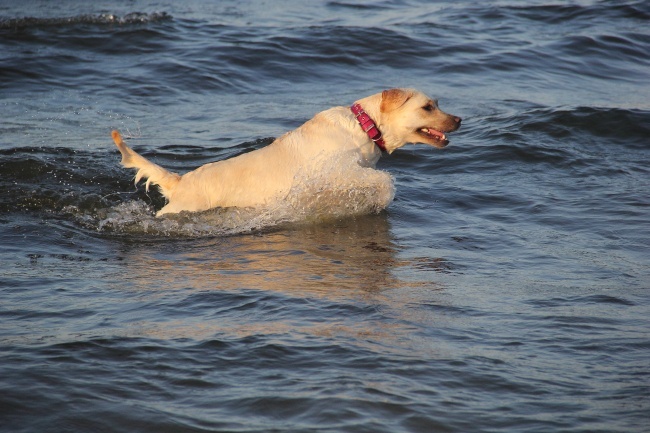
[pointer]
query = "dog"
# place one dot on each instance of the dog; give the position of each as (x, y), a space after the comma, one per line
(384, 122)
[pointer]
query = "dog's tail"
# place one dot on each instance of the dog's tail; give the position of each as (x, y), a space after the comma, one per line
(155, 174)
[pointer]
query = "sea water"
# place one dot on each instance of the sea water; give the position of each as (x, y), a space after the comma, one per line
(498, 285)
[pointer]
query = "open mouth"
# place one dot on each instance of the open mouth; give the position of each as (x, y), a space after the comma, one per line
(437, 137)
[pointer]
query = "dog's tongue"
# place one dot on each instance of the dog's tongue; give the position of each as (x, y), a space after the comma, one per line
(439, 135)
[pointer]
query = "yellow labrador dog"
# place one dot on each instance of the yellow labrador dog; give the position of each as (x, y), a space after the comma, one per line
(384, 121)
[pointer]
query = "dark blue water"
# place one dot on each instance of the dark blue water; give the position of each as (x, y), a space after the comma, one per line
(505, 289)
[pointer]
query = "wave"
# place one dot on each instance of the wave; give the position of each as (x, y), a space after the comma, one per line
(85, 19)
(559, 13)
(630, 128)
(576, 141)
(199, 56)
(626, 127)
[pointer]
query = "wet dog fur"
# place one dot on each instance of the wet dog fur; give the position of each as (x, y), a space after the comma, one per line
(256, 178)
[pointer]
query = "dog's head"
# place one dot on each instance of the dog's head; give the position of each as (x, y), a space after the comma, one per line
(410, 116)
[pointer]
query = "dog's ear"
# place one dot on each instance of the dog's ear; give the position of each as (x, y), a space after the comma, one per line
(393, 99)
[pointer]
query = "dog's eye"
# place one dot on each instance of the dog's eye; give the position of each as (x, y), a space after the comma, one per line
(428, 107)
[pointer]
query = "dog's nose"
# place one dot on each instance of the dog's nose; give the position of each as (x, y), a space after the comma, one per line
(458, 120)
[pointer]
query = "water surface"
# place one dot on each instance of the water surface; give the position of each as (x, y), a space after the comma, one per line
(505, 288)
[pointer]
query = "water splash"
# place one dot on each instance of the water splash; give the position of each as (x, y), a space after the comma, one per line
(340, 189)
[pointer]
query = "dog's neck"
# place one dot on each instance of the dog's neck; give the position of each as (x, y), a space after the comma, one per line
(368, 125)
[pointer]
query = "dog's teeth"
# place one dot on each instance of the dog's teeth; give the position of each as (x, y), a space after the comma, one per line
(435, 134)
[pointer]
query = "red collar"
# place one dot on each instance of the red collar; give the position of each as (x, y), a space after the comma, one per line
(368, 126)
